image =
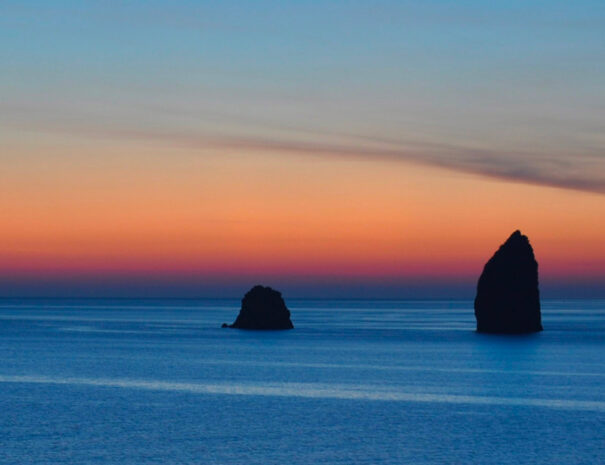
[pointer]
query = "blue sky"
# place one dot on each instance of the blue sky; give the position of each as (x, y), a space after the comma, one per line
(519, 83)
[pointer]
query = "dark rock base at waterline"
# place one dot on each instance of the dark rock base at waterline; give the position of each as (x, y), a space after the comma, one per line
(263, 308)
(508, 298)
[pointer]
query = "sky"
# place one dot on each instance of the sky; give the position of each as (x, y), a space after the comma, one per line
(329, 149)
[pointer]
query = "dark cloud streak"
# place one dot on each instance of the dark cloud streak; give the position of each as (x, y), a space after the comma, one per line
(508, 166)
(580, 171)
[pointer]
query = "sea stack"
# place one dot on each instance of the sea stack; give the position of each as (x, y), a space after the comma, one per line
(508, 299)
(262, 308)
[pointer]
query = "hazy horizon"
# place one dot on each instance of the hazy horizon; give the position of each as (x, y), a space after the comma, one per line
(377, 288)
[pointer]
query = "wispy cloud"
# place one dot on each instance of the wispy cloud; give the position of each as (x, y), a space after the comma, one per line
(583, 171)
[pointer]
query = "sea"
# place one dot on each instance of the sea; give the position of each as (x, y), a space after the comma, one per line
(356, 382)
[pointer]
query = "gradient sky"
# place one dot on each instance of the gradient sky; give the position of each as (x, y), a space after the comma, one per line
(351, 149)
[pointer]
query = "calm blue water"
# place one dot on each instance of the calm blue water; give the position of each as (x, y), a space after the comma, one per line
(357, 382)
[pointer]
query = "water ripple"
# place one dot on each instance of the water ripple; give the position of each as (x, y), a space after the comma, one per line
(311, 390)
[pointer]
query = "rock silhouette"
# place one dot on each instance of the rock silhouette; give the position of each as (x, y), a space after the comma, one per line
(262, 308)
(508, 299)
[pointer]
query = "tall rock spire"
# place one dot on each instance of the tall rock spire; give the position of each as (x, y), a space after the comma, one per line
(508, 299)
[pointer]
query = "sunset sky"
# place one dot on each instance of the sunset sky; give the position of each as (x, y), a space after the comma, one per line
(329, 149)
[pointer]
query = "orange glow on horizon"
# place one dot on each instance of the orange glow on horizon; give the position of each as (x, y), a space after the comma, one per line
(139, 209)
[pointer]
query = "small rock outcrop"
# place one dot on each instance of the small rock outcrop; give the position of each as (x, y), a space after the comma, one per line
(262, 308)
(508, 299)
